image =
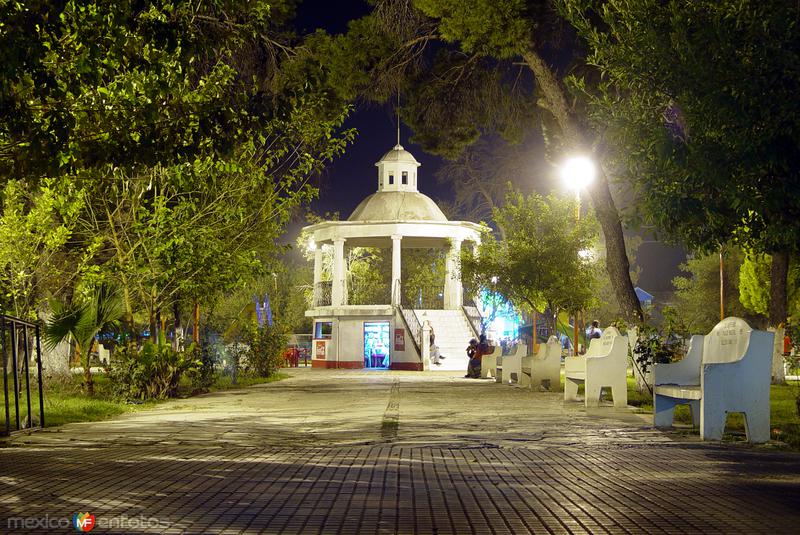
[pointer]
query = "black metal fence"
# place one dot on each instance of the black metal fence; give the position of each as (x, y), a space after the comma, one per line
(20, 339)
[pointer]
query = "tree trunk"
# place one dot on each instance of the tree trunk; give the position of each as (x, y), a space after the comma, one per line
(196, 323)
(617, 264)
(176, 313)
(153, 326)
(87, 371)
(778, 310)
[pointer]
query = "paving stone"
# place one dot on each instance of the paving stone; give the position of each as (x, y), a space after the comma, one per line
(311, 455)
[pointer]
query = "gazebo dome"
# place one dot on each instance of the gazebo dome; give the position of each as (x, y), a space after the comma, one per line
(399, 154)
(397, 198)
(397, 206)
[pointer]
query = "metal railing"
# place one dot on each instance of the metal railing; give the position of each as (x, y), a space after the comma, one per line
(322, 293)
(413, 326)
(359, 293)
(468, 298)
(15, 335)
(474, 319)
(424, 298)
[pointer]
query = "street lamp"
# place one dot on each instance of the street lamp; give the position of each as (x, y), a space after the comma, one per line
(577, 172)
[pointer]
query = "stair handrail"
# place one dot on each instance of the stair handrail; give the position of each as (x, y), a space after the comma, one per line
(474, 318)
(413, 326)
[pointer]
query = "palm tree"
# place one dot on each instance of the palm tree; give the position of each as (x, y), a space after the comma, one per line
(81, 322)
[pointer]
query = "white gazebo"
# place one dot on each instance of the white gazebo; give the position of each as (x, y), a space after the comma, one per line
(397, 216)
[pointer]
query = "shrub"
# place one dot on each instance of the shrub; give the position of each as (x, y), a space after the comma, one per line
(265, 355)
(207, 355)
(152, 373)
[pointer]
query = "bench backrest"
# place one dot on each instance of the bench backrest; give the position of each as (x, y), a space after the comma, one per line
(550, 349)
(603, 345)
(727, 342)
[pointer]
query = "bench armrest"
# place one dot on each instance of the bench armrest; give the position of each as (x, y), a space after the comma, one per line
(684, 372)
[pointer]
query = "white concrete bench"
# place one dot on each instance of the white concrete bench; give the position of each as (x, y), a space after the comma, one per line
(511, 365)
(544, 368)
(605, 364)
(728, 370)
(489, 362)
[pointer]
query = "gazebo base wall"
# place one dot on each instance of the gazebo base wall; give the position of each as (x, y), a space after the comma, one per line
(406, 366)
(342, 364)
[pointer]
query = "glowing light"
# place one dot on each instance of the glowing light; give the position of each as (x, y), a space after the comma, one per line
(578, 172)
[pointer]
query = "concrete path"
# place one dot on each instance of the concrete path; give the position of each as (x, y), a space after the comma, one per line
(391, 452)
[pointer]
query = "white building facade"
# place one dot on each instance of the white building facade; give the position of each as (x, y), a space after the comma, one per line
(388, 335)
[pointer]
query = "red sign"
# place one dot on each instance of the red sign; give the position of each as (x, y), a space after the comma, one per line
(320, 350)
(399, 340)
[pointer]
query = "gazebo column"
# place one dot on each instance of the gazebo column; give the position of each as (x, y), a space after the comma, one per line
(453, 298)
(396, 271)
(317, 272)
(338, 296)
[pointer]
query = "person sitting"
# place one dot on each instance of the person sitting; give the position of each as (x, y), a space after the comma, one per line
(480, 348)
(594, 331)
(436, 356)
(472, 349)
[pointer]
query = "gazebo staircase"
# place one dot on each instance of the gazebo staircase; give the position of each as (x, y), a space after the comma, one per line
(453, 333)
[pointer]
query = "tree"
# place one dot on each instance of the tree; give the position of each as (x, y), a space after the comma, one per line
(164, 123)
(36, 226)
(706, 122)
(519, 29)
(88, 84)
(82, 320)
(474, 88)
(697, 295)
(547, 271)
(754, 285)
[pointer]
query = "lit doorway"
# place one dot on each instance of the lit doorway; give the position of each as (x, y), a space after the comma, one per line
(376, 345)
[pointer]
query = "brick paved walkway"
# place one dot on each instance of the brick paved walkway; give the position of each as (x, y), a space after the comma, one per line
(392, 453)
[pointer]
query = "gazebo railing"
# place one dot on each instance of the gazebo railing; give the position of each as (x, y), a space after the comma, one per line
(15, 338)
(359, 293)
(424, 298)
(322, 293)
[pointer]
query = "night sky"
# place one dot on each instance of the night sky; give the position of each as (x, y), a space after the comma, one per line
(353, 176)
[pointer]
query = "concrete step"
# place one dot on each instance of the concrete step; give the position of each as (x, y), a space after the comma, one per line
(453, 333)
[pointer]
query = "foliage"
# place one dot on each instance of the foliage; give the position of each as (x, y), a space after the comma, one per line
(86, 84)
(704, 123)
(697, 295)
(36, 224)
(81, 321)
(606, 305)
(267, 344)
(547, 271)
(754, 284)
(423, 275)
(708, 116)
(654, 346)
(152, 373)
(370, 273)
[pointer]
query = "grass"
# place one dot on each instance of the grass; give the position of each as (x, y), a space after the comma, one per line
(224, 382)
(65, 400)
(784, 419)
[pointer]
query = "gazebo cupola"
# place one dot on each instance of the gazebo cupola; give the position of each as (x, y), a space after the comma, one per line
(397, 170)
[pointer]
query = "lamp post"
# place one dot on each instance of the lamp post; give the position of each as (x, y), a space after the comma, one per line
(577, 172)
